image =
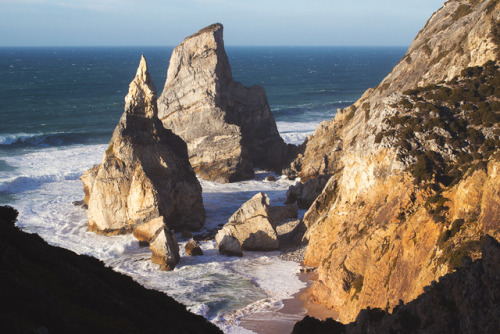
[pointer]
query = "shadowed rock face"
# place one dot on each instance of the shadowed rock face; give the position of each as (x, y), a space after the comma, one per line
(229, 128)
(145, 171)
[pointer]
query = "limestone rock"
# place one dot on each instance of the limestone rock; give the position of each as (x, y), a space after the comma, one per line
(192, 248)
(228, 244)
(228, 128)
(377, 234)
(281, 213)
(165, 249)
(252, 226)
(145, 171)
(148, 231)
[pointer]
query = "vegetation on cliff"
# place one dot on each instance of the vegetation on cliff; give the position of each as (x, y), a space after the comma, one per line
(445, 129)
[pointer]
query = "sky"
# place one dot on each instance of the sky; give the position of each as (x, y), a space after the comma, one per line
(246, 22)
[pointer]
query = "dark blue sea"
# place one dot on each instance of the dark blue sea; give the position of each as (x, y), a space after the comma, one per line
(59, 107)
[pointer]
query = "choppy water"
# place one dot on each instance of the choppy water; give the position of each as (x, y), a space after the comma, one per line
(59, 107)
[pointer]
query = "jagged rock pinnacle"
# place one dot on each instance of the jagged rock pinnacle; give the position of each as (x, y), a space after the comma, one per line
(141, 97)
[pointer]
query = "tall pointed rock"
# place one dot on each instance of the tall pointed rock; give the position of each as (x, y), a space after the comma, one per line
(229, 128)
(145, 171)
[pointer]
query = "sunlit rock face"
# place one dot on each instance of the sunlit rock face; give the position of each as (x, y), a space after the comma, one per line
(388, 222)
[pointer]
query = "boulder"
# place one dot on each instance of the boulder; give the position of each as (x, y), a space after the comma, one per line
(229, 129)
(165, 249)
(147, 231)
(228, 244)
(270, 178)
(145, 171)
(284, 212)
(251, 225)
(192, 248)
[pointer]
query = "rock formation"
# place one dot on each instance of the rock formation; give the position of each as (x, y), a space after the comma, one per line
(165, 249)
(53, 290)
(465, 301)
(251, 226)
(228, 128)
(414, 168)
(145, 173)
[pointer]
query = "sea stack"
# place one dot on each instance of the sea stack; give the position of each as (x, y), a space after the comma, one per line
(145, 173)
(229, 129)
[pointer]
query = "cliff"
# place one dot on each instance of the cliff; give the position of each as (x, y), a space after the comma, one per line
(465, 301)
(228, 128)
(48, 289)
(414, 166)
(145, 173)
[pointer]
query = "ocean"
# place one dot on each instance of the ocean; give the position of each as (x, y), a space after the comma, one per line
(59, 107)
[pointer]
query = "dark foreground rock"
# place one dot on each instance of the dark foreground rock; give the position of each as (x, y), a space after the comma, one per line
(465, 301)
(48, 289)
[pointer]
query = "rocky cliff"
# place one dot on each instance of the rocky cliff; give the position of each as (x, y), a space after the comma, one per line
(414, 165)
(465, 301)
(145, 173)
(48, 289)
(229, 128)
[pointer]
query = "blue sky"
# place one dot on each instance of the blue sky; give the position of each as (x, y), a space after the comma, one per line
(254, 22)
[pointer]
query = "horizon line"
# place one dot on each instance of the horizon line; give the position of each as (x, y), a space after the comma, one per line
(230, 45)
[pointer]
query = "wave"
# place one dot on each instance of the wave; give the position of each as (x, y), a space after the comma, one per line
(49, 139)
(24, 183)
(9, 139)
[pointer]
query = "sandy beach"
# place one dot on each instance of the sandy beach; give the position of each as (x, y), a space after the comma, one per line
(293, 310)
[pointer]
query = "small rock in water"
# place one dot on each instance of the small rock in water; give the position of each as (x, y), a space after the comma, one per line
(165, 249)
(271, 178)
(307, 269)
(80, 204)
(192, 248)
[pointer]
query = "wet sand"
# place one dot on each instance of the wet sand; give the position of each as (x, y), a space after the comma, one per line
(294, 309)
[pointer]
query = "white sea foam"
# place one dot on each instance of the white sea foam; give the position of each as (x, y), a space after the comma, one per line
(296, 132)
(44, 184)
